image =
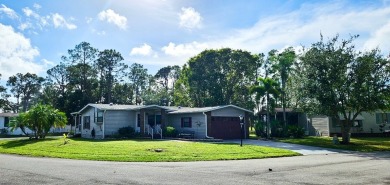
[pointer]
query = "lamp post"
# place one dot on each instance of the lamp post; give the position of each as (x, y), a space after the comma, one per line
(242, 125)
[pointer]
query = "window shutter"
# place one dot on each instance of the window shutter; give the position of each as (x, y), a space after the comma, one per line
(182, 123)
(190, 120)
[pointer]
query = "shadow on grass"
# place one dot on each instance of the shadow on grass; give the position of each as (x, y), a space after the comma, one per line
(22, 142)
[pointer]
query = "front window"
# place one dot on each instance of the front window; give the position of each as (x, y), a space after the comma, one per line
(6, 121)
(158, 119)
(87, 122)
(356, 123)
(186, 122)
(138, 120)
(99, 117)
(382, 118)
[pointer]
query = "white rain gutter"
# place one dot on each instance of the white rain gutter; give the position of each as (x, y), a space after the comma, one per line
(104, 118)
(205, 120)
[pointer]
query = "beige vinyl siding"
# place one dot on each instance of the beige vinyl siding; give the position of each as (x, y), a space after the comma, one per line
(198, 123)
(320, 125)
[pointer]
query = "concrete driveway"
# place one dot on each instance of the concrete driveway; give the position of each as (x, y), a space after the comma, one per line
(302, 149)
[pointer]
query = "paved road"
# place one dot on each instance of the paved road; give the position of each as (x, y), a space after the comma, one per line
(358, 168)
(304, 150)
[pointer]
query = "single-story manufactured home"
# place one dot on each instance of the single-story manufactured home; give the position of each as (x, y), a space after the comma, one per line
(365, 123)
(219, 122)
(5, 127)
(5, 124)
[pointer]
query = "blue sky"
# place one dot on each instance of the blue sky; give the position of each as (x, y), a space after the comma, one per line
(156, 33)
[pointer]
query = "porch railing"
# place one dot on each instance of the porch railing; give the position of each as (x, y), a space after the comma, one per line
(152, 131)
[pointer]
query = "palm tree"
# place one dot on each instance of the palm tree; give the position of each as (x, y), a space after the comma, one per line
(282, 67)
(40, 118)
(269, 88)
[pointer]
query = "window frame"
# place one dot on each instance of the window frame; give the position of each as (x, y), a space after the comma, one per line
(354, 125)
(382, 117)
(6, 122)
(99, 116)
(87, 124)
(186, 123)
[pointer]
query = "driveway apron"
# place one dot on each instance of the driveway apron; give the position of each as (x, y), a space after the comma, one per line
(302, 149)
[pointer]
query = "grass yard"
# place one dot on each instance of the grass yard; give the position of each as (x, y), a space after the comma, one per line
(138, 150)
(369, 144)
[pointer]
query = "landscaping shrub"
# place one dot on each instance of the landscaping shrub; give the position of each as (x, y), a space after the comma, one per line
(296, 131)
(128, 132)
(259, 128)
(3, 131)
(277, 129)
(170, 132)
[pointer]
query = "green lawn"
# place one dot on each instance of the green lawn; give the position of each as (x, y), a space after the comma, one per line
(138, 150)
(357, 144)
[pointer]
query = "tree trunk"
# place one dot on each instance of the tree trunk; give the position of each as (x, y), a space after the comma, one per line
(284, 104)
(345, 132)
(268, 121)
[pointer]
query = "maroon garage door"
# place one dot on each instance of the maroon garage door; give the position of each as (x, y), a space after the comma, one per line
(224, 127)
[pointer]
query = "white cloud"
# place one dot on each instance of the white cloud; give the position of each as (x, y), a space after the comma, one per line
(300, 27)
(144, 50)
(88, 20)
(190, 19)
(8, 11)
(303, 27)
(37, 6)
(16, 53)
(47, 63)
(187, 50)
(113, 18)
(98, 32)
(60, 22)
(379, 38)
(24, 26)
(28, 12)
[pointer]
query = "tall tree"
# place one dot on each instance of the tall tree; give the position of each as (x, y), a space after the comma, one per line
(270, 89)
(167, 76)
(3, 100)
(215, 77)
(55, 90)
(122, 93)
(282, 67)
(341, 82)
(138, 76)
(81, 60)
(111, 69)
(24, 87)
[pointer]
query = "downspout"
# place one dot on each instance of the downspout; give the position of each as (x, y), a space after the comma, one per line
(205, 120)
(104, 118)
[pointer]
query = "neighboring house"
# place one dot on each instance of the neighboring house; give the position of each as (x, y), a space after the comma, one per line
(5, 124)
(220, 122)
(365, 123)
(5, 127)
(293, 118)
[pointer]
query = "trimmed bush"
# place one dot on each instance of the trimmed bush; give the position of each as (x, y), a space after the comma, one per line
(296, 131)
(259, 128)
(170, 132)
(128, 132)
